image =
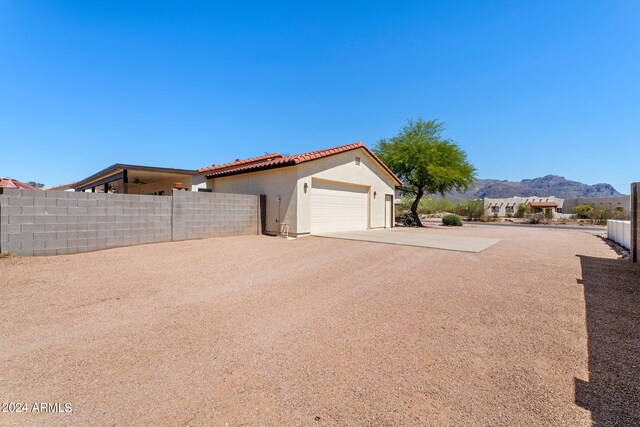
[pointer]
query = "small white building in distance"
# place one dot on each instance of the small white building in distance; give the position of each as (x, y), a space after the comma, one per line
(502, 207)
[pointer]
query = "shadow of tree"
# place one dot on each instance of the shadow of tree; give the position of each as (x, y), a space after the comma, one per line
(612, 299)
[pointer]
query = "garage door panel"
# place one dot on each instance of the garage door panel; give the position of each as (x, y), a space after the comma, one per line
(338, 207)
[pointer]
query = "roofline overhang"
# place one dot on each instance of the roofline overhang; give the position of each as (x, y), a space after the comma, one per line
(223, 174)
(117, 167)
(375, 158)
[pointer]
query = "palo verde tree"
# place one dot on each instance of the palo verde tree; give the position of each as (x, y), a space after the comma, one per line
(426, 162)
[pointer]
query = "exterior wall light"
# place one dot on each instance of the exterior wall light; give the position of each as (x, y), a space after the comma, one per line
(305, 187)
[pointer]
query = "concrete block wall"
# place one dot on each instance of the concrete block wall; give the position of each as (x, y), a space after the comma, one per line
(619, 232)
(198, 215)
(37, 222)
(635, 226)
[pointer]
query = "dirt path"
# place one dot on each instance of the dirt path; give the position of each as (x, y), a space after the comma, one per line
(266, 331)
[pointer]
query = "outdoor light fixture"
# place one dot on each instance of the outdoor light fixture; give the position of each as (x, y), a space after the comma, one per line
(375, 194)
(305, 187)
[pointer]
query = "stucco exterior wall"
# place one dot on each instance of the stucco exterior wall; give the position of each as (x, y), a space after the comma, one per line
(342, 168)
(603, 203)
(288, 202)
(279, 186)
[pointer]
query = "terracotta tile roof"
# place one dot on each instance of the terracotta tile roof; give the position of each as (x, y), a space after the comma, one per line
(61, 187)
(14, 183)
(271, 161)
(239, 162)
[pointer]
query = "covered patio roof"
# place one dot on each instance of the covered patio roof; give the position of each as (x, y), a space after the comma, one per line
(543, 204)
(130, 174)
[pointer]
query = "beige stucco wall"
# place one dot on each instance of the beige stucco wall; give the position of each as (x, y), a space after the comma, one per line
(288, 203)
(279, 185)
(342, 168)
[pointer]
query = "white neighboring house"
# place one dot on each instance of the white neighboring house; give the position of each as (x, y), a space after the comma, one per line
(337, 189)
(502, 207)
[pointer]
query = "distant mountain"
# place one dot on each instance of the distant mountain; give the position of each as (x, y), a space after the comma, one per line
(550, 185)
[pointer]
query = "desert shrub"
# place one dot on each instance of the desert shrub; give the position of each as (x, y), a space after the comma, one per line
(451, 219)
(495, 216)
(583, 211)
(522, 209)
(509, 215)
(548, 214)
(404, 205)
(600, 216)
(426, 206)
(407, 219)
(535, 218)
(473, 210)
(431, 206)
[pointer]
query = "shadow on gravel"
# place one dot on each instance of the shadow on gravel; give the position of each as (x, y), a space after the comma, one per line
(612, 299)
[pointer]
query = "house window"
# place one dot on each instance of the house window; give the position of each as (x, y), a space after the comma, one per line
(559, 210)
(204, 190)
(495, 209)
(357, 161)
(508, 209)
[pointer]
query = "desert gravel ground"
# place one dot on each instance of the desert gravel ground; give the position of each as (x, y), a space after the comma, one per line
(540, 329)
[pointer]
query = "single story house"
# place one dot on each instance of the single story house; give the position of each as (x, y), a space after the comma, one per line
(336, 189)
(503, 207)
(14, 183)
(560, 207)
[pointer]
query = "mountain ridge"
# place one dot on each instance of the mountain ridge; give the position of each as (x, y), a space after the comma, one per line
(549, 185)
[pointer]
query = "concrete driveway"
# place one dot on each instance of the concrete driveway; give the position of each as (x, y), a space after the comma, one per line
(451, 239)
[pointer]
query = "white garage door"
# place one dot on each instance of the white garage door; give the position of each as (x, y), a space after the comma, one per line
(338, 207)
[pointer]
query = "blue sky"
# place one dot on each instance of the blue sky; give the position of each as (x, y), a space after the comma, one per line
(526, 88)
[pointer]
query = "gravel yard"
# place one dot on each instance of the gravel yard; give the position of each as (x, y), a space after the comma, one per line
(539, 329)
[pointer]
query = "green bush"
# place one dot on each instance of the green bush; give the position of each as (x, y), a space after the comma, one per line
(522, 210)
(548, 214)
(473, 210)
(451, 219)
(426, 206)
(583, 211)
(509, 215)
(404, 205)
(431, 206)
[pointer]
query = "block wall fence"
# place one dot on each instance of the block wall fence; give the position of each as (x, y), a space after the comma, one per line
(619, 232)
(635, 216)
(38, 222)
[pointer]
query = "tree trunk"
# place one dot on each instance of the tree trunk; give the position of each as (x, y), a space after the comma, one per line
(414, 207)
